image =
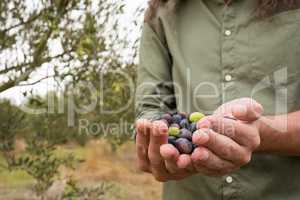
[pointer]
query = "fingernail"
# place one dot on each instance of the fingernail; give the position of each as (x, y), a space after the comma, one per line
(205, 131)
(239, 109)
(164, 149)
(203, 123)
(200, 137)
(159, 133)
(163, 132)
(258, 109)
(183, 162)
(163, 129)
(156, 128)
(203, 154)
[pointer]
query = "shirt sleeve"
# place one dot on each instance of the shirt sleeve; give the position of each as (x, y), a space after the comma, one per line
(155, 90)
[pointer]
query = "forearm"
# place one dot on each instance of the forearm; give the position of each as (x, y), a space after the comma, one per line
(280, 134)
(155, 90)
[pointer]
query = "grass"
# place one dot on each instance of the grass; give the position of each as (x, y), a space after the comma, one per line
(14, 179)
(98, 164)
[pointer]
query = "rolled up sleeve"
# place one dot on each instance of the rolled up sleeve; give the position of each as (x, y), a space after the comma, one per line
(155, 91)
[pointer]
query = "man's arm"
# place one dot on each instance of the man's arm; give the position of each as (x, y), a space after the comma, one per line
(280, 134)
(272, 135)
(152, 72)
(154, 96)
(154, 93)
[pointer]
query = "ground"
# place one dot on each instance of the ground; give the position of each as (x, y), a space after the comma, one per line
(98, 164)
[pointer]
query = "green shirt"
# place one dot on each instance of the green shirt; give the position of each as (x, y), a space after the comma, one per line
(201, 54)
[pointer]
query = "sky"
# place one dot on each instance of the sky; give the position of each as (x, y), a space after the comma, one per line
(16, 94)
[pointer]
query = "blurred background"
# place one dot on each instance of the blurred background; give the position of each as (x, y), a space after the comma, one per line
(67, 78)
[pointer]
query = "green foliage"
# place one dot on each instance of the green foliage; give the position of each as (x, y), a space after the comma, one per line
(84, 31)
(52, 123)
(74, 192)
(12, 121)
(88, 49)
(42, 164)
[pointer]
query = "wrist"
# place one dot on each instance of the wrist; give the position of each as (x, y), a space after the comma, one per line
(260, 128)
(272, 134)
(269, 139)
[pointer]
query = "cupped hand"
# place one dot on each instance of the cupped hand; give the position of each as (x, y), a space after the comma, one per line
(225, 143)
(228, 142)
(158, 157)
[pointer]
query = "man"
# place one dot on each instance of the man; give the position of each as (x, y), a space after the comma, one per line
(206, 55)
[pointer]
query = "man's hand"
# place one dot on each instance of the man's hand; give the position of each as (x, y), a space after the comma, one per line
(158, 157)
(227, 144)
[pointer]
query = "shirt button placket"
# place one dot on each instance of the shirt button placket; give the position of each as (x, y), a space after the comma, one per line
(228, 77)
(227, 32)
(227, 59)
(229, 179)
(230, 189)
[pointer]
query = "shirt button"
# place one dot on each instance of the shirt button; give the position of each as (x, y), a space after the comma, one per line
(229, 179)
(228, 32)
(228, 77)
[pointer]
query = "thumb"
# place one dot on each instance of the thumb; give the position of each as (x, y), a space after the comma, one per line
(247, 111)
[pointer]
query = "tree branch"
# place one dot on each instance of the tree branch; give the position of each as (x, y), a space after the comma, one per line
(30, 20)
(35, 82)
(20, 66)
